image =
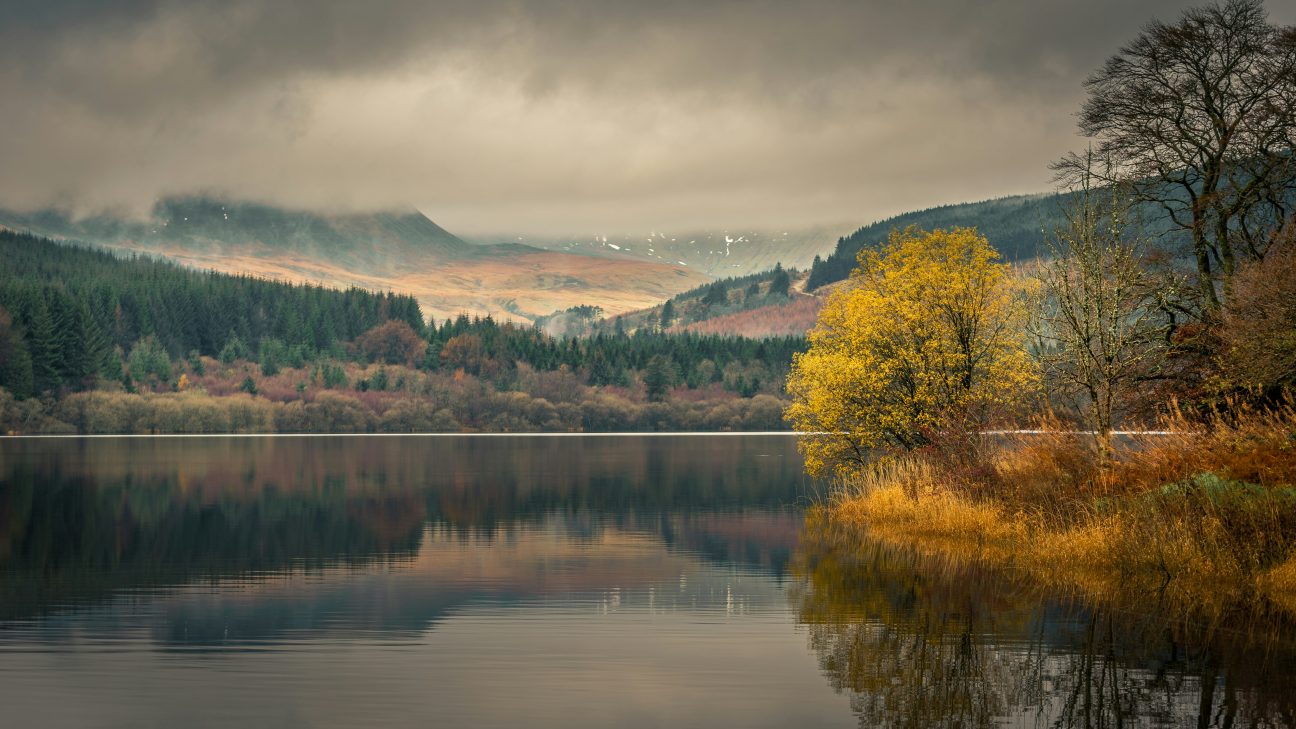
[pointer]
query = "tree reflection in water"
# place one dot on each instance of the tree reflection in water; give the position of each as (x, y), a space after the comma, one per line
(920, 642)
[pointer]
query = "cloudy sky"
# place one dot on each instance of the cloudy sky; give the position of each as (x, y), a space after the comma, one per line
(550, 116)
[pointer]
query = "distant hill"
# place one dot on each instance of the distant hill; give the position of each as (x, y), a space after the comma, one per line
(717, 253)
(767, 304)
(1017, 226)
(1014, 225)
(370, 242)
(386, 250)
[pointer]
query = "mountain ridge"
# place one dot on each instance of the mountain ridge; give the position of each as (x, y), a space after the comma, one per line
(386, 250)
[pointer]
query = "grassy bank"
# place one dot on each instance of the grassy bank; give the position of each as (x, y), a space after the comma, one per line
(1207, 517)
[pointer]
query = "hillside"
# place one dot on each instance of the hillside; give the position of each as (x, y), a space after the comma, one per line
(793, 317)
(92, 341)
(717, 253)
(401, 250)
(68, 314)
(1014, 225)
(768, 304)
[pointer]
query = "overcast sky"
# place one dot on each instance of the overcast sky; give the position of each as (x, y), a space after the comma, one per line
(550, 116)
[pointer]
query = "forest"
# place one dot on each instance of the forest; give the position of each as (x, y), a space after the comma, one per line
(94, 342)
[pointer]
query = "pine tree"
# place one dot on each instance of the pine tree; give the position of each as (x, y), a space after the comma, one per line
(667, 314)
(42, 343)
(15, 361)
(659, 375)
(781, 282)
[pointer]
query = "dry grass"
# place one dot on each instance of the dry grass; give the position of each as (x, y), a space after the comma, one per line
(1279, 585)
(1206, 518)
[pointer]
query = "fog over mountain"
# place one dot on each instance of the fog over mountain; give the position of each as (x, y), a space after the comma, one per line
(561, 116)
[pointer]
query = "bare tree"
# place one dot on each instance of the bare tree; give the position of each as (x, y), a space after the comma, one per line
(1100, 328)
(1199, 118)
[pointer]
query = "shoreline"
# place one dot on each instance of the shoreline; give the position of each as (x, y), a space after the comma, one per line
(538, 434)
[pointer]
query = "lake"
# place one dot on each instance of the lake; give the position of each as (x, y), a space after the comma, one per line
(634, 581)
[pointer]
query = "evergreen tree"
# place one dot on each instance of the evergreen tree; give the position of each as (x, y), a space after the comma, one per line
(42, 343)
(15, 361)
(667, 314)
(233, 350)
(659, 376)
(781, 282)
(149, 362)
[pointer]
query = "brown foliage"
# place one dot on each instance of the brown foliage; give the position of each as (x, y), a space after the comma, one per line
(392, 342)
(464, 352)
(1259, 319)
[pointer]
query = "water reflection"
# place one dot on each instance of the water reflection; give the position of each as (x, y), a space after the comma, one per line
(548, 582)
(403, 582)
(918, 642)
(84, 518)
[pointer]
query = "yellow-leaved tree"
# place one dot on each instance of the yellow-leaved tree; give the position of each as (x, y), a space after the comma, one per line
(928, 333)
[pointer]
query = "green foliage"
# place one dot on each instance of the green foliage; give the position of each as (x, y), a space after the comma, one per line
(234, 350)
(271, 356)
(72, 306)
(716, 295)
(781, 282)
(1015, 225)
(15, 360)
(659, 376)
(149, 362)
(667, 314)
(334, 377)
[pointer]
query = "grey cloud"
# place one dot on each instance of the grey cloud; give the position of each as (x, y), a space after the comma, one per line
(549, 115)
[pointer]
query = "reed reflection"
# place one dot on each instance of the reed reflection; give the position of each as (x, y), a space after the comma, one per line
(918, 642)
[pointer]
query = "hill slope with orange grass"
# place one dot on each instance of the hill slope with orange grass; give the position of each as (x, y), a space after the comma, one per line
(793, 317)
(398, 250)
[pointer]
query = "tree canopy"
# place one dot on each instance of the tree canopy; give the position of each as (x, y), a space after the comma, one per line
(928, 333)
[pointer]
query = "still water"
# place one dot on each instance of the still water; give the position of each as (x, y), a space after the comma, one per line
(554, 582)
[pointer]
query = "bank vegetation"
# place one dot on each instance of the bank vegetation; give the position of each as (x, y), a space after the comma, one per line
(1118, 416)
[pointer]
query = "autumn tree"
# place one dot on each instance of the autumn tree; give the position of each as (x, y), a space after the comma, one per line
(1099, 324)
(392, 342)
(465, 352)
(1200, 119)
(1259, 322)
(929, 331)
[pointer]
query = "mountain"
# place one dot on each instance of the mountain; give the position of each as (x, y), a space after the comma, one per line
(391, 250)
(717, 253)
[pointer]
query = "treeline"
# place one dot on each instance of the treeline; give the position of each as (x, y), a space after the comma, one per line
(70, 314)
(91, 342)
(484, 347)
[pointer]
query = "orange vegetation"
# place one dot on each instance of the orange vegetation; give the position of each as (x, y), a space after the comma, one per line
(795, 317)
(1206, 518)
